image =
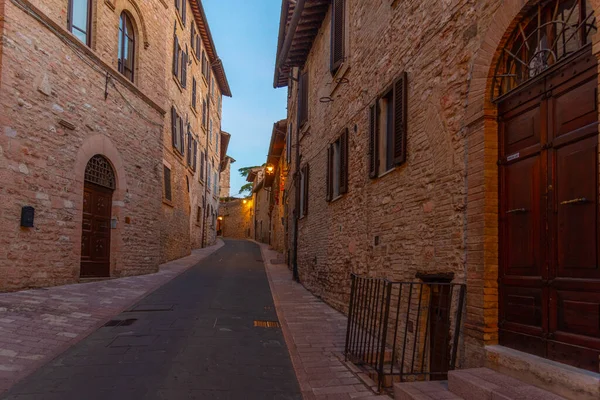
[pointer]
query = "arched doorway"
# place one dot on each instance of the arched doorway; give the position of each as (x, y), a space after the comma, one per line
(97, 204)
(545, 87)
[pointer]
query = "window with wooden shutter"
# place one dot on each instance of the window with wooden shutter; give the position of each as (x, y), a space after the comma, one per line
(194, 95)
(167, 183)
(388, 129)
(400, 117)
(303, 99)
(338, 34)
(337, 167)
(204, 112)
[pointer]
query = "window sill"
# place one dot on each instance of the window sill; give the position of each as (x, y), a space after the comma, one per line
(178, 83)
(336, 198)
(168, 203)
(194, 110)
(389, 171)
(178, 154)
(178, 14)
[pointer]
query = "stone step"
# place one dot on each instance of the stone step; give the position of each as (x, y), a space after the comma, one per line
(431, 390)
(485, 384)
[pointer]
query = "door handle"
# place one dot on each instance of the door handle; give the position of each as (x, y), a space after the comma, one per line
(516, 211)
(574, 201)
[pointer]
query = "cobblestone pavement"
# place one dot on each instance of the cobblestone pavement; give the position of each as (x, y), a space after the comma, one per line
(195, 337)
(37, 325)
(315, 334)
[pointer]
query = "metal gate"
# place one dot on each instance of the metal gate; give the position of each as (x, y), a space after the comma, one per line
(404, 331)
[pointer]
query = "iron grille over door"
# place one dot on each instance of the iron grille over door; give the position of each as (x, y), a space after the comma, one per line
(100, 172)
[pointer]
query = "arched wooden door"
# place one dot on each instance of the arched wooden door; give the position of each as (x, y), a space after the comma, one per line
(96, 226)
(549, 275)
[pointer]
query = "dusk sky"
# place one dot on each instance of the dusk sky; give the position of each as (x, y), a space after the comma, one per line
(245, 34)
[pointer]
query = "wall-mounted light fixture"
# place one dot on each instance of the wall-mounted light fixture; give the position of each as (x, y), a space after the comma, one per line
(270, 169)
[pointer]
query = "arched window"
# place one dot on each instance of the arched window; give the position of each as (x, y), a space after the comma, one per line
(126, 46)
(551, 31)
(99, 171)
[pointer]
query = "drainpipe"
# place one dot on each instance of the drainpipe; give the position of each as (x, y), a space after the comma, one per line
(297, 210)
(287, 44)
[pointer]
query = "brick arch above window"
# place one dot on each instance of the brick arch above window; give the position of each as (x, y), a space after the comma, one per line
(136, 14)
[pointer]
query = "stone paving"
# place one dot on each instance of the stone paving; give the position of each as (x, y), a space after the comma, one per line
(198, 336)
(315, 334)
(37, 325)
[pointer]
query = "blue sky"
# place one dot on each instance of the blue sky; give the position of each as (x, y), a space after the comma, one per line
(245, 34)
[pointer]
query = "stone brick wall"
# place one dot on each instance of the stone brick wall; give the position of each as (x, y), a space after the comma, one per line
(225, 179)
(237, 219)
(413, 219)
(54, 117)
(188, 221)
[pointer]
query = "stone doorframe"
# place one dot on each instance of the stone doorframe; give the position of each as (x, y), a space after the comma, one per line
(100, 144)
(482, 239)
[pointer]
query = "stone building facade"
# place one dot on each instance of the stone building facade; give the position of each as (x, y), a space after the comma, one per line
(235, 218)
(63, 103)
(192, 138)
(86, 133)
(395, 109)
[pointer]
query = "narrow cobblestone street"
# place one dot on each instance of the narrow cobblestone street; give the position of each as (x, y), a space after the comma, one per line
(193, 338)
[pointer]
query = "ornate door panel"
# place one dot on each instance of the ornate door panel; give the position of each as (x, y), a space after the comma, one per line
(549, 278)
(95, 244)
(523, 310)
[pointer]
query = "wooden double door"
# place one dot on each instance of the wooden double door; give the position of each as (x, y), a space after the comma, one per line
(96, 226)
(549, 275)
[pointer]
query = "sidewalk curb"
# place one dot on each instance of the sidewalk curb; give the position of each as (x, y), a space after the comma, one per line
(102, 320)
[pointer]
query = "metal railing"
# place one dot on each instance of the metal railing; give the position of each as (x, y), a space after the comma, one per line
(404, 331)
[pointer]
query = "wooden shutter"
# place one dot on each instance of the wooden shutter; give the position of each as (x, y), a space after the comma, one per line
(202, 166)
(193, 37)
(195, 163)
(400, 117)
(167, 175)
(302, 99)
(184, 65)
(338, 34)
(174, 126)
(194, 93)
(181, 136)
(373, 141)
(175, 56)
(183, 10)
(189, 147)
(305, 189)
(329, 174)
(344, 162)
